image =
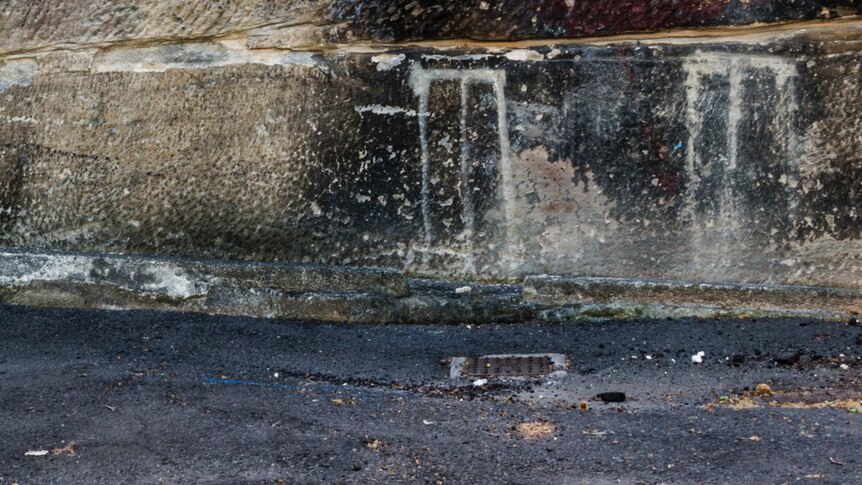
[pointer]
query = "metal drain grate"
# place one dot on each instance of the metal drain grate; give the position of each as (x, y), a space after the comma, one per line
(508, 366)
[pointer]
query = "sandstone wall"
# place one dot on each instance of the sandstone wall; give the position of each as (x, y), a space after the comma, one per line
(325, 132)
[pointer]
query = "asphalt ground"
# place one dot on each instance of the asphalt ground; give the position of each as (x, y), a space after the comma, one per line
(146, 397)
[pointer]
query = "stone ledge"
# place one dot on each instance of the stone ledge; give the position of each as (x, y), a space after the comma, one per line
(265, 290)
(181, 279)
(616, 296)
(370, 295)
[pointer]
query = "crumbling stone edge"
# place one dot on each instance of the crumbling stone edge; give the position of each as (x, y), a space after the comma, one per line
(375, 295)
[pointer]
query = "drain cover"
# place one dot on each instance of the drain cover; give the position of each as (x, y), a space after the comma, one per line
(507, 366)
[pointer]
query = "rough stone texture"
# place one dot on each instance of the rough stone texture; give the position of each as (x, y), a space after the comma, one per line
(48, 24)
(704, 162)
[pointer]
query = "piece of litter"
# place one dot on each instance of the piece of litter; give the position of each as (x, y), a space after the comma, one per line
(36, 453)
(480, 382)
(275, 375)
(844, 366)
(427, 423)
(698, 357)
(788, 358)
(648, 357)
(462, 290)
(612, 397)
(835, 462)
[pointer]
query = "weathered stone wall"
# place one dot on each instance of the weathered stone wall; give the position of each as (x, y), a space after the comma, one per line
(279, 131)
(48, 24)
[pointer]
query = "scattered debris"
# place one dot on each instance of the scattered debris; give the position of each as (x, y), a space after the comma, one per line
(536, 430)
(835, 462)
(788, 358)
(844, 366)
(69, 449)
(480, 382)
(802, 398)
(112, 408)
(762, 390)
(337, 402)
(584, 406)
(612, 397)
(427, 423)
(698, 357)
(373, 444)
(66, 450)
(754, 437)
(463, 290)
(740, 403)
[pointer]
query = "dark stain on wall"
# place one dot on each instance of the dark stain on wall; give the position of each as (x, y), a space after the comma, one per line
(404, 20)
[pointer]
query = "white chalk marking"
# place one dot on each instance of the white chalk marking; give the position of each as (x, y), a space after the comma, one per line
(421, 81)
(386, 62)
(524, 55)
(384, 110)
(733, 67)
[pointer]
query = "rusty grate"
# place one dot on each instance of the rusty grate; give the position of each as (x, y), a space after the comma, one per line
(509, 366)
